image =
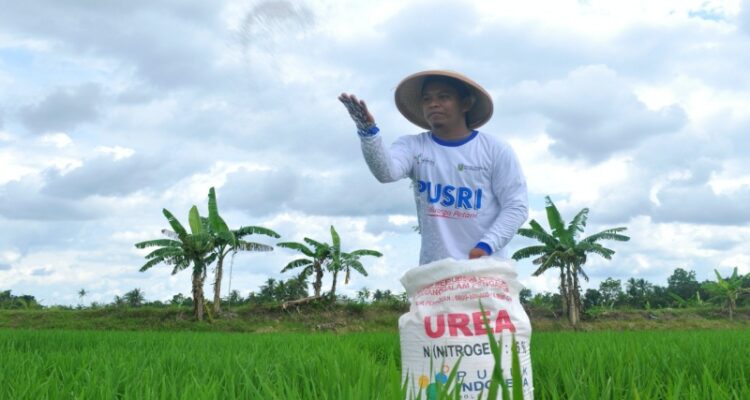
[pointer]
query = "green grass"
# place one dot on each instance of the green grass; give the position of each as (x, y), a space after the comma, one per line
(701, 364)
(50, 364)
(160, 365)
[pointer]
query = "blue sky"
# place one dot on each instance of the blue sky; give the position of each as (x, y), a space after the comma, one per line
(111, 111)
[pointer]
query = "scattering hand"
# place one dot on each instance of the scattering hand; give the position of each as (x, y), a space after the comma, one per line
(358, 111)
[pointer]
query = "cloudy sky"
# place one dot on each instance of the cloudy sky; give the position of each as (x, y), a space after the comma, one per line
(111, 111)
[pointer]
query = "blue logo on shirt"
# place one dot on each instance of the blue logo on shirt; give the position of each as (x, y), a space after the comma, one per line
(451, 196)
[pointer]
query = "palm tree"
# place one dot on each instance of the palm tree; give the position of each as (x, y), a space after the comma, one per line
(363, 295)
(183, 249)
(638, 291)
(729, 290)
(382, 295)
(561, 250)
(316, 256)
(341, 261)
(296, 288)
(134, 298)
(81, 294)
(118, 301)
(178, 300)
(229, 241)
(268, 290)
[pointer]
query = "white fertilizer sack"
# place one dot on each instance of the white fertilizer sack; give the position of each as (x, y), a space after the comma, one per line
(445, 323)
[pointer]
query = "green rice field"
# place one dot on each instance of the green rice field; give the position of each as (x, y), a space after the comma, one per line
(49, 364)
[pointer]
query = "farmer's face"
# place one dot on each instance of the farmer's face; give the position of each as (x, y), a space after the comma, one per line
(442, 106)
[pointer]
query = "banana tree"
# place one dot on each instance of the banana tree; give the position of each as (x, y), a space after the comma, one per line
(350, 261)
(228, 241)
(345, 262)
(561, 250)
(326, 256)
(316, 255)
(181, 250)
(729, 290)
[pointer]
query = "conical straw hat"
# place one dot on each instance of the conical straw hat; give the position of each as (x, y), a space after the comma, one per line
(409, 99)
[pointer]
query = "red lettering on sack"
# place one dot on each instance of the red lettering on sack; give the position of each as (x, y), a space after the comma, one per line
(459, 322)
(503, 322)
(440, 328)
(479, 323)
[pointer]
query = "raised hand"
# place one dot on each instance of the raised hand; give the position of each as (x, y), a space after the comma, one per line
(358, 111)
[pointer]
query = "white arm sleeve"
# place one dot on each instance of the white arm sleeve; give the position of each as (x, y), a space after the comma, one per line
(387, 165)
(509, 185)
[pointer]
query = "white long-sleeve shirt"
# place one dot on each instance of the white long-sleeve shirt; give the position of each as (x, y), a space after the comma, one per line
(467, 192)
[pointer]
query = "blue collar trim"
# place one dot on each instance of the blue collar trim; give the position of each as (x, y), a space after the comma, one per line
(454, 143)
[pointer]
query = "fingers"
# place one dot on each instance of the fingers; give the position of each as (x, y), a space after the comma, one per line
(358, 103)
(357, 109)
(353, 105)
(348, 98)
(349, 101)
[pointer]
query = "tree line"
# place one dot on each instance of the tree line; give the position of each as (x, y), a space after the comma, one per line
(272, 292)
(683, 290)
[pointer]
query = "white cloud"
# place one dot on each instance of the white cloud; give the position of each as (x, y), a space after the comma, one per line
(728, 183)
(544, 283)
(592, 113)
(11, 168)
(9, 256)
(662, 181)
(400, 220)
(550, 175)
(59, 140)
(117, 152)
(740, 261)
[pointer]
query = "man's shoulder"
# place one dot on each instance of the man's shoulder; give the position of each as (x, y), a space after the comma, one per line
(494, 142)
(422, 136)
(414, 139)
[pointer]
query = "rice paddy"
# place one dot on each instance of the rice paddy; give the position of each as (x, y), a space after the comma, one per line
(49, 364)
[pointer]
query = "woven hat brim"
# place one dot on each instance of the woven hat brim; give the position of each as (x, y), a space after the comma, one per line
(409, 99)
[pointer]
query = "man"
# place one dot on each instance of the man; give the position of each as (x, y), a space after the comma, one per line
(469, 188)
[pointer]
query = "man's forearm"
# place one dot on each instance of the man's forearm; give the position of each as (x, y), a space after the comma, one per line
(506, 225)
(378, 158)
